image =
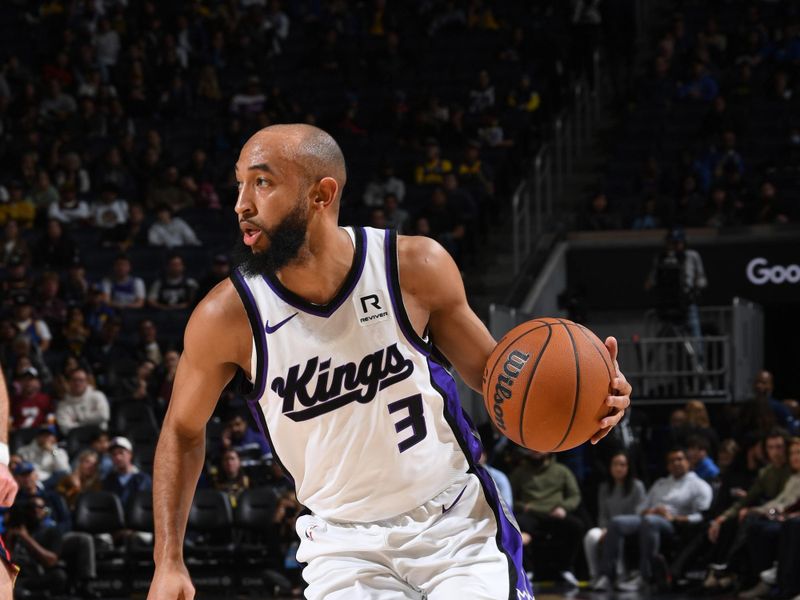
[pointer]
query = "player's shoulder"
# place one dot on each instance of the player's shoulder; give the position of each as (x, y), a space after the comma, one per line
(220, 311)
(417, 253)
(219, 325)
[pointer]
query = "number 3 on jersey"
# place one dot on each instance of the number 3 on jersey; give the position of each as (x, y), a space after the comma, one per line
(415, 420)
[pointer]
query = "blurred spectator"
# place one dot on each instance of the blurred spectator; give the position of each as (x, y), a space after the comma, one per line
(139, 385)
(45, 455)
(620, 493)
(377, 218)
(57, 105)
(30, 487)
(769, 207)
(219, 271)
(687, 210)
(18, 207)
(60, 383)
(167, 190)
(173, 290)
(75, 333)
(599, 216)
(473, 172)
(432, 170)
(55, 249)
(71, 172)
(764, 411)
(728, 453)
(699, 423)
(49, 305)
(110, 211)
(147, 346)
(100, 444)
(396, 218)
(761, 529)
(385, 182)
(83, 478)
(702, 87)
(170, 231)
(34, 329)
(728, 156)
(43, 193)
(671, 503)
(82, 404)
(251, 447)
(230, 477)
(501, 481)
(445, 222)
(31, 407)
(482, 98)
(123, 290)
(166, 380)
(722, 531)
(648, 216)
(250, 101)
(69, 209)
(125, 479)
(524, 97)
(546, 496)
(13, 244)
(36, 543)
(697, 449)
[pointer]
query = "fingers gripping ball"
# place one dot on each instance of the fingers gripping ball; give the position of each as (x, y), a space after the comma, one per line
(546, 382)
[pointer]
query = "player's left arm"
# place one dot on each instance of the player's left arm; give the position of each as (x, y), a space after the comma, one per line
(431, 281)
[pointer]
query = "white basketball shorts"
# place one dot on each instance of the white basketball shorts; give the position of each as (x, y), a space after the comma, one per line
(463, 544)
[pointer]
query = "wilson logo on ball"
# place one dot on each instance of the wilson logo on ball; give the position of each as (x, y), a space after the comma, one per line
(502, 391)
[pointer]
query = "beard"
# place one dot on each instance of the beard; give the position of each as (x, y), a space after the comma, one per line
(285, 241)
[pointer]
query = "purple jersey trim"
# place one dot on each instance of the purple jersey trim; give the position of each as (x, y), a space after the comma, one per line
(353, 276)
(262, 362)
(508, 537)
(393, 280)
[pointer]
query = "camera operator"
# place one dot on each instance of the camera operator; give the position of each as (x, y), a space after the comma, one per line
(678, 277)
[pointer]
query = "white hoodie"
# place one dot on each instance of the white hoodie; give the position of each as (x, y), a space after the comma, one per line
(91, 408)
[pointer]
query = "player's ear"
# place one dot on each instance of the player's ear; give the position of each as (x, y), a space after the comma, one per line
(326, 191)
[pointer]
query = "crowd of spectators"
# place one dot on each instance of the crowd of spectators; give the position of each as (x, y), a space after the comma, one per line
(715, 118)
(119, 122)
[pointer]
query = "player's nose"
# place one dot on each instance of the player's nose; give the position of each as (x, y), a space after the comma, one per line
(244, 204)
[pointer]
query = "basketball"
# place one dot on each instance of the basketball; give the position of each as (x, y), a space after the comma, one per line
(546, 382)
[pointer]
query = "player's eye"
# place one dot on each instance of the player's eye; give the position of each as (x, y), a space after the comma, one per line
(262, 182)
(239, 185)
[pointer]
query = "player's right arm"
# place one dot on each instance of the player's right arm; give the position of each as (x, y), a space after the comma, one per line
(217, 340)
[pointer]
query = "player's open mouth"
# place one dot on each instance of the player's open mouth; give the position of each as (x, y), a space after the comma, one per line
(250, 234)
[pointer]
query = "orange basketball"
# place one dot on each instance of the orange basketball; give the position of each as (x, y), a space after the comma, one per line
(546, 382)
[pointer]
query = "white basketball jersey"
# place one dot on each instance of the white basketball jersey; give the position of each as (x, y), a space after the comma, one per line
(354, 408)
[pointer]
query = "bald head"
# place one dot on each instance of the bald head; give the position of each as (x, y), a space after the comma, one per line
(311, 148)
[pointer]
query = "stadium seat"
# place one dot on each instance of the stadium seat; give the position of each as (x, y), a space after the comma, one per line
(140, 554)
(125, 415)
(209, 548)
(80, 438)
(21, 437)
(100, 513)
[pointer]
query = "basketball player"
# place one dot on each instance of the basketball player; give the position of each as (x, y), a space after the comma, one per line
(335, 328)
(8, 491)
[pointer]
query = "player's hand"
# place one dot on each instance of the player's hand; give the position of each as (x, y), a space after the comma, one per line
(171, 581)
(558, 513)
(8, 487)
(620, 397)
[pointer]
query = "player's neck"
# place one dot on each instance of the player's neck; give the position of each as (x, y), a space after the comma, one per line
(325, 262)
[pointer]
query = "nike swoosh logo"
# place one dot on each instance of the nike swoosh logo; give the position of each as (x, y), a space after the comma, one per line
(447, 508)
(277, 326)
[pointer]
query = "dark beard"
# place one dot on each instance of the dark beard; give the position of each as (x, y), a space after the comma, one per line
(285, 241)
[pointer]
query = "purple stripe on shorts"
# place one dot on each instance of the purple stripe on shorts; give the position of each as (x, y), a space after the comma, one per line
(508, 539)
